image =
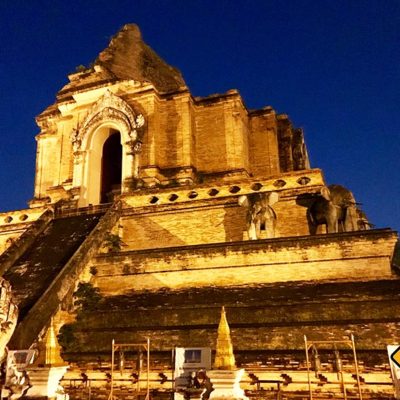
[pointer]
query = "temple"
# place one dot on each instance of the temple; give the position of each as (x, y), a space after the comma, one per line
(152, 209)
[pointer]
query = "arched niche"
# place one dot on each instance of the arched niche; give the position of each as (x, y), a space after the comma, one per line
(111, 168)
(93, 174)
(108, 116)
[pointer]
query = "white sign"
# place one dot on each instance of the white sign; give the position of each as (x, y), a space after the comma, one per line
(188, 360)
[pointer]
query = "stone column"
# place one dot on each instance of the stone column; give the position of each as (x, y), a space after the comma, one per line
(131, 165)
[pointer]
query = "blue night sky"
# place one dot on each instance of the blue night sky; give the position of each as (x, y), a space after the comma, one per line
(333, 66)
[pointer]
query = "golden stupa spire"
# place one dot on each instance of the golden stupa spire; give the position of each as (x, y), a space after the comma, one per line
(49, 349)
(224, 358)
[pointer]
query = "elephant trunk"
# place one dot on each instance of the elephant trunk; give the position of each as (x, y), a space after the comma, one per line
(351, 219)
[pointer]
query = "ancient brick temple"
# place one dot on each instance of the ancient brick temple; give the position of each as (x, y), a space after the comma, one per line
(153, 209)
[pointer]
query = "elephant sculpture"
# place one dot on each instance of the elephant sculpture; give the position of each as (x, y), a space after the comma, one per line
(336, 208)
(260, 214)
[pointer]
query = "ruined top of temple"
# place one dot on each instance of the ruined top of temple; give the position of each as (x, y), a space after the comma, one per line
(129, 122)
(127, 57)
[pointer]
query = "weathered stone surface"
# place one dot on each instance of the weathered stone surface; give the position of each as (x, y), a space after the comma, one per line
(182, 248)
(39, 265)
(363, 255)
(20, 244)
(264, 318)
(8, 316)
(128, 57)
(184, 141)
(63, 283)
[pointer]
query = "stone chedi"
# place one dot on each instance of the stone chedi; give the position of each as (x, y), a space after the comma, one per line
(226, 377)
(153, 208)
(224, 358)
(48, 368)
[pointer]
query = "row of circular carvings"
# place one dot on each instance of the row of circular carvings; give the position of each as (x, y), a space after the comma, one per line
(9, 218)
(280, 183)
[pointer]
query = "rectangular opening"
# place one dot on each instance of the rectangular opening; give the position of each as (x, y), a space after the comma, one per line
(193, 356)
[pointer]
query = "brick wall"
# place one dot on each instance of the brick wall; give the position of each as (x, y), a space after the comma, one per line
(327, 257)
(264, 152)
(210, 138)
(262, 318)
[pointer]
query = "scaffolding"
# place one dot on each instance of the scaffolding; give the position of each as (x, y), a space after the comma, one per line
(332, 345)
(122, 348)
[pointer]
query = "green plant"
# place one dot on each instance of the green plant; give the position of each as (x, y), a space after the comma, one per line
(113, 242)
(93, 270)
(80, 68)
(86, 297)
(66, 337)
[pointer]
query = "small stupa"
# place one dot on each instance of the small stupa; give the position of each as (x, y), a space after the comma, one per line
(225, 377)
(224, 358)
(47, 370)
(49, 350)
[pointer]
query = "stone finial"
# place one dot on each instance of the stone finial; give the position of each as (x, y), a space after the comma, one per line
(224, 358)
(49, 349)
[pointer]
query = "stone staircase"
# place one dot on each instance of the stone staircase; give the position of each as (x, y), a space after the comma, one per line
(49, 268)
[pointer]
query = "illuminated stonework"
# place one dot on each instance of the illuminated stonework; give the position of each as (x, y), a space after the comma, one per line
(153, 208)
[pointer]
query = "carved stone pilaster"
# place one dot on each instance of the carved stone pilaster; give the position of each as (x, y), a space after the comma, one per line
(78, 157)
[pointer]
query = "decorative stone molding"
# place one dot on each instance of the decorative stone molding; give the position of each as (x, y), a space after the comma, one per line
(78, 156)
(135, 147)
(46, 125)
(76, 140)
(135, 143)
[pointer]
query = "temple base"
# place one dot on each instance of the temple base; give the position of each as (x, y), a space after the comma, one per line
(45, 381)
(226, 384)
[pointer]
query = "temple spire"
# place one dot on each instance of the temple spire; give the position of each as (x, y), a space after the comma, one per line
(49, 349)
(224, 358)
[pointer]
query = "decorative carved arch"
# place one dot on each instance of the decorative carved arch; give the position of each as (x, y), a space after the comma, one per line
(109, 111)
(108, 107)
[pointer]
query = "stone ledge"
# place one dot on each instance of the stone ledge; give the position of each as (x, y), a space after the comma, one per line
(291, 181)
(351, 256)
(307, 240)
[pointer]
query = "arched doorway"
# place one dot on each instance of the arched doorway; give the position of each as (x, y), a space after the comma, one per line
(105, 161)
(111, 167)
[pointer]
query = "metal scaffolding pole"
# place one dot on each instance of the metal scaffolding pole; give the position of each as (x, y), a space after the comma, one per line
(332, 343)
(126, 346)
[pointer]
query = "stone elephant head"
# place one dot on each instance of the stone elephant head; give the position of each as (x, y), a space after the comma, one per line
(336, 208)
(260, 214)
